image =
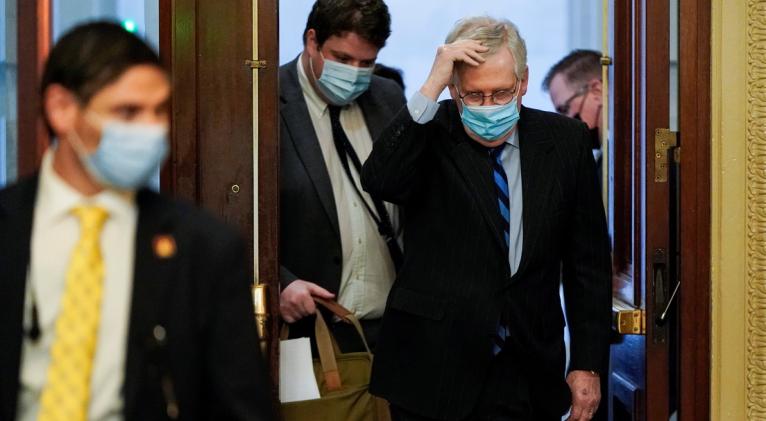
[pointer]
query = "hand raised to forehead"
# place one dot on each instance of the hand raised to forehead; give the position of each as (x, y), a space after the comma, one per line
(467, 51)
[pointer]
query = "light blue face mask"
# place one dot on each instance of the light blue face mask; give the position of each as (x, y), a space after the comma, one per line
(491, 122)
(342, 83)
(128, 154)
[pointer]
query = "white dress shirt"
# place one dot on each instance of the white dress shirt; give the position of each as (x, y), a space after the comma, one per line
(368, 271)
(55, 231)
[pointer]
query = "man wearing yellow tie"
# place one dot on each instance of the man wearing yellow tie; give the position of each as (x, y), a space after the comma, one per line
(115, 302)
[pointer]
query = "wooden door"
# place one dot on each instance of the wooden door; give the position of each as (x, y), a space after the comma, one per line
(223, 62)
(660, 213)
(641, 222)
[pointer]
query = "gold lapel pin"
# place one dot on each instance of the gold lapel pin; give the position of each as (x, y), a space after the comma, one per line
(164, 246)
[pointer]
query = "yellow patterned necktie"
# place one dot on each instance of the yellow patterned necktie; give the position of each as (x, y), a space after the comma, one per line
(67, 391)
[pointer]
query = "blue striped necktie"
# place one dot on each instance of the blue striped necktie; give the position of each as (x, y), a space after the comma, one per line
(501, 186)
(504, 206)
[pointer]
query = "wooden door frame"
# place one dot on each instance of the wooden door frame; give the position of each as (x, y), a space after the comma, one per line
(34, 37)
(695, 139)
(268, 169)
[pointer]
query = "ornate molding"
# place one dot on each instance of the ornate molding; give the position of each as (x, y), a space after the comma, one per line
(756, 210)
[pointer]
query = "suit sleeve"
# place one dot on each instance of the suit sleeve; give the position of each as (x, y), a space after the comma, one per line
(238, 378)
(393, 171)
(286, 277)
(587, 269)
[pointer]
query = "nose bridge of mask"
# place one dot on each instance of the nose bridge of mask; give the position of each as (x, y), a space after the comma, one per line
(132, 131)
(345, 76)
(337, 68)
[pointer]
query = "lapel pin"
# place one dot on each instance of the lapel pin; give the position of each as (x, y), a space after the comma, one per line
(164, 246)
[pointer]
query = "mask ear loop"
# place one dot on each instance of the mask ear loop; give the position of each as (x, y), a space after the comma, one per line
(79, 145)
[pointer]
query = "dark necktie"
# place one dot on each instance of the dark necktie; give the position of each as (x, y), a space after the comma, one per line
(501, 187)
(380, 215)
(504, 207)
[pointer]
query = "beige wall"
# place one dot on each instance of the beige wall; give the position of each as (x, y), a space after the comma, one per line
(739, 210)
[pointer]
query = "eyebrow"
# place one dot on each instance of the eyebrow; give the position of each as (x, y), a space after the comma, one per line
(343, 55)
(494, 91)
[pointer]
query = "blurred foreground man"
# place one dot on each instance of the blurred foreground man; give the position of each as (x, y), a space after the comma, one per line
(499, 198)
(115, 302)
(336, 240)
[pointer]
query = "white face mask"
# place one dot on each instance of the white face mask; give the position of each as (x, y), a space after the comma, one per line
(127, 155)
(342, 83)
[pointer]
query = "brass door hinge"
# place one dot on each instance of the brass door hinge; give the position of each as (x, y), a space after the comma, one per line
(626, 319)
(664, 141)
(257, 64)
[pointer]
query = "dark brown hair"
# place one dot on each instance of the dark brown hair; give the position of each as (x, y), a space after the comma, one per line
(91, 56)
(367, 18)
(578, 67)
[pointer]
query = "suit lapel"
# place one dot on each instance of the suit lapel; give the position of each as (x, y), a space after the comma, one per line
(376, 113)
(474, 165)
(16, 214)
(153, 274)
(301, 132)
(534, 144)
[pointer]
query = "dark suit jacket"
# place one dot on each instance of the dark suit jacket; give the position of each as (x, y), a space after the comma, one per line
(310, 245)
(200, 296)
(435, 345)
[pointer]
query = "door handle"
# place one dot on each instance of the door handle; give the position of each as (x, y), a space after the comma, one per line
(662, 318)
(660, 292)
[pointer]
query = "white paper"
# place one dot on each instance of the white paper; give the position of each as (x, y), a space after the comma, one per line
(296, 371)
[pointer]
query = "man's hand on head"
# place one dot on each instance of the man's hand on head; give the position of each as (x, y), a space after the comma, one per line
(297, 300)
(586, 394)
(467, 51)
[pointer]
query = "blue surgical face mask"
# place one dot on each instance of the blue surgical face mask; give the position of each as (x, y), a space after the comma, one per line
(342, 83)
(493, 121)
(128, 154)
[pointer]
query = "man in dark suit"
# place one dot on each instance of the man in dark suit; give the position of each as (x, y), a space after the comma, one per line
(335, 240)
(115, 302)
(499, 200)
(574, 84)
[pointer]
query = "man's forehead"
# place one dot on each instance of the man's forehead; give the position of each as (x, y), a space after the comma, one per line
(350, 43)
(499, 69)
(560, 87)
(138, 84)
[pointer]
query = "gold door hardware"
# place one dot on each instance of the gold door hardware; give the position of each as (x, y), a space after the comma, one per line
(257, 64)
(626, 319)
(665, 140)
(262, 317)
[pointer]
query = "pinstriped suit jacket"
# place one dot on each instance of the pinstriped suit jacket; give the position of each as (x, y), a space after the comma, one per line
(434, 350)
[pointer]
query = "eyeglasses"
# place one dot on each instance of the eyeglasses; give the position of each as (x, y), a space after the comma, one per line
(500, 97)
(564, 108)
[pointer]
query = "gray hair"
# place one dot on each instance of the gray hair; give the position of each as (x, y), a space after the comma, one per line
(493, 33)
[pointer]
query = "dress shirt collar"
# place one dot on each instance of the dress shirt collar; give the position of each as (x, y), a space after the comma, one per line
(56, 198)
(513, 140)
(316, 104)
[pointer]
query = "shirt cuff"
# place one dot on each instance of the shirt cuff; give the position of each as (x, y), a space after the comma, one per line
(422, 109)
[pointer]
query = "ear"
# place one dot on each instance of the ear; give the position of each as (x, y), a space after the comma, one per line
(595, 86)
(524, 82)
(453, 92)
(311, 40)
(61, 109)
